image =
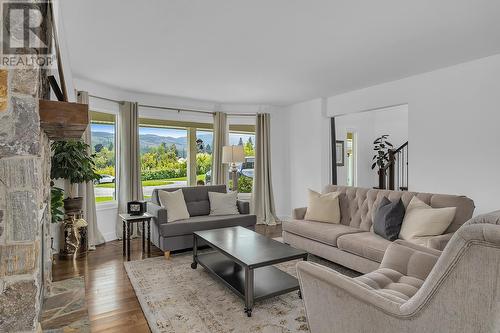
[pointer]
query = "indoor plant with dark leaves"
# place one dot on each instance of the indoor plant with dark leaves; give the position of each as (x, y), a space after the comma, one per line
(381, 157)
(72, 162)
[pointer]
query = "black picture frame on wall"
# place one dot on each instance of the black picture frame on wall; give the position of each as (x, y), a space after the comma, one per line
(340, 152)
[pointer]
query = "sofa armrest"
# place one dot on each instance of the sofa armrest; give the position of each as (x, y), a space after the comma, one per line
(410, 259)
(299, 213)
(243, 207)
(331, 298)
(159, 213)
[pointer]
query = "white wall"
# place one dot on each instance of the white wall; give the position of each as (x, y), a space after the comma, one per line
(309, 144)
(368, 126)
(453, 127)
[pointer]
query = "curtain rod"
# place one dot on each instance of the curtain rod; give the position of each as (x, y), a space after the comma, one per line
(177, 109)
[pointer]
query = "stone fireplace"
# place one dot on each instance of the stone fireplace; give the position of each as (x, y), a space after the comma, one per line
(25, 254)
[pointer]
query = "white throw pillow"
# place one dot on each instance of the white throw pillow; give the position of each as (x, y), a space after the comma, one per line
(175, 205)
(422, 220)
(323, 207)
(223, 203)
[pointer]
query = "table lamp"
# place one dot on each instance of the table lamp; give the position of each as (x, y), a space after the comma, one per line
(232, 155)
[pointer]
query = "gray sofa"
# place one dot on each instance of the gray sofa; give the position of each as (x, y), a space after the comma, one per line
(416, 289)
(178, 235)
(352, 243)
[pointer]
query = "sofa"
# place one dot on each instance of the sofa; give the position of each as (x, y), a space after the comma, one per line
(416, 289)
(352, 243)
(178, 235)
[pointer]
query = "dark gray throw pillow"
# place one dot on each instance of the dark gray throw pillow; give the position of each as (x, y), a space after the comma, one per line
(388, 219)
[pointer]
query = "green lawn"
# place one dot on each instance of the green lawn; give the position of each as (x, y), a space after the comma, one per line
(103, 199)
(157, 182)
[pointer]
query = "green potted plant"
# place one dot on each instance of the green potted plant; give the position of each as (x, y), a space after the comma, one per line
(72, 162)
(381, 157)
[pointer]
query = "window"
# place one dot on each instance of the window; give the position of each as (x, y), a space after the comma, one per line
(166, 149)
(163, 158)
(103, 144)
(204, 144)
(246, 169)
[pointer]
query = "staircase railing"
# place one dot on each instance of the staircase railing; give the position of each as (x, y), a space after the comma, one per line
(395, 173)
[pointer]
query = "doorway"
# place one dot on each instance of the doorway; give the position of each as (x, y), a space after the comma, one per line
(351, 158)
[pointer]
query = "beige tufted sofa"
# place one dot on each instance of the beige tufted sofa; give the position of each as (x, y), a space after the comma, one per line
(416, 289)
(352, 243)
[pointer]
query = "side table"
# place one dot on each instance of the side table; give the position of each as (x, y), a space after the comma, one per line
(128, 221)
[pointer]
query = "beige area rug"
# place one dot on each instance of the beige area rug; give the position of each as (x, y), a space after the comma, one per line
(176, 298)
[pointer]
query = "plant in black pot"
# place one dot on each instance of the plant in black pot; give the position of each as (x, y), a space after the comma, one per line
(72, 162)
(381, 157)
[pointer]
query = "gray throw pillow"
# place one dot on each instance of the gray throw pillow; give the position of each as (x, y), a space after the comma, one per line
(388, 219)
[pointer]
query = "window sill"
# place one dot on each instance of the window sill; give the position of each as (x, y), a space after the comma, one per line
(106, 206)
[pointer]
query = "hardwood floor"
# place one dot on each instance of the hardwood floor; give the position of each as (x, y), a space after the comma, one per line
(111, 300)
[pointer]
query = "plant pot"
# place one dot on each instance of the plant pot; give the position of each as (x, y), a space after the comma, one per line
(72, 205)
(381, 179)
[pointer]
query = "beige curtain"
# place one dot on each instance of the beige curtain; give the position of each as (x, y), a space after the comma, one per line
(262, 203)
(86, 190)
(128, 180)
(221, 137)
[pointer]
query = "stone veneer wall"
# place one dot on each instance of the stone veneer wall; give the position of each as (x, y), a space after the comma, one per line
(24, 205)
(25, 256)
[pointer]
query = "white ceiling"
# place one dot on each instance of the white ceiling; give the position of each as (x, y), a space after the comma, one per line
(271, 51)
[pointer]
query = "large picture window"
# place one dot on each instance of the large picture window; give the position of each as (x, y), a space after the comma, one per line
(103, 144)
(174, 154)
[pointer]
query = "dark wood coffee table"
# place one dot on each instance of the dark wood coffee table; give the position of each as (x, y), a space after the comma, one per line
(243, 262)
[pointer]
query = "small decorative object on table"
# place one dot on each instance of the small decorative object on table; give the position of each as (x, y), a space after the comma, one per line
(136, 208)
(128, 221)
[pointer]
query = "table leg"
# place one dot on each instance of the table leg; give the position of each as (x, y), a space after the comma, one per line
(129, 231)
(194, 264)
(124, 238)
(299, 293)
(143, 236)
(248, 291)
(149, 237)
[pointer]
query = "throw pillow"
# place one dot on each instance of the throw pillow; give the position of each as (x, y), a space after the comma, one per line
(223, 203)
(323, 207)
(422, 220)
(175, 205)
(388, 219)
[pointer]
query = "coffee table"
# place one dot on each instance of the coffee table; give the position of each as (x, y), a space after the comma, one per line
(243, 262)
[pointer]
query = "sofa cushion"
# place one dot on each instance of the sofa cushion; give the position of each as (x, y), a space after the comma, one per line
(175, 205)
(323, 207)
(326, 233)
(422, 220)
(360, 204)
(197, 223)
(365, 244)
(223, 203)
(388, 218)
(391, 284)
(196, 197)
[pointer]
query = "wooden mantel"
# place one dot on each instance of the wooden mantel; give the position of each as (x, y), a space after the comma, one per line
(63, 120)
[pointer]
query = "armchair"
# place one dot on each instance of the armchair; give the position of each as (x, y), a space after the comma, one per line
(415, 289)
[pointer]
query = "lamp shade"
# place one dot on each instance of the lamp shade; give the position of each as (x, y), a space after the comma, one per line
(233, 154)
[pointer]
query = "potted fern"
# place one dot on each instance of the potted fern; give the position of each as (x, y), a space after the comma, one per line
(72, 162)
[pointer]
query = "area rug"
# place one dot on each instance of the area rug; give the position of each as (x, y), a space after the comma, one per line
(176, 298)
